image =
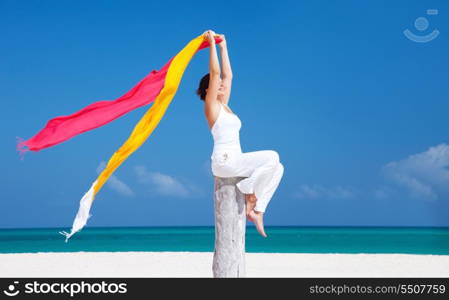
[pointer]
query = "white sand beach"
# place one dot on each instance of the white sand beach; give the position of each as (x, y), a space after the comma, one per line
(199, 264)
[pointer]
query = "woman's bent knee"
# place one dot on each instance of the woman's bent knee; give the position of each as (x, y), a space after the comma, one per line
(281, 168)
(274, 157)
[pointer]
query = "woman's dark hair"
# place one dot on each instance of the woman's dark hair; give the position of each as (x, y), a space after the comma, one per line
(204, 84)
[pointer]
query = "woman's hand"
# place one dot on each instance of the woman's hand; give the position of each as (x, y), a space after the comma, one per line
(209, 34)
(223, 42)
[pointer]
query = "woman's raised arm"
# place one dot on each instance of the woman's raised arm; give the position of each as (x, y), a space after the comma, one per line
(214, 69)
(226, 71)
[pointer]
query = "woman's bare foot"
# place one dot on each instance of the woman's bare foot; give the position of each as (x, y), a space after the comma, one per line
(257, 218)
(250, 203)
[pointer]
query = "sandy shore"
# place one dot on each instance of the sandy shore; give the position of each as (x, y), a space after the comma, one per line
(199, 264)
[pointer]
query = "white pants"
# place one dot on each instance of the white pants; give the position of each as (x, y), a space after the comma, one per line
(262, 169)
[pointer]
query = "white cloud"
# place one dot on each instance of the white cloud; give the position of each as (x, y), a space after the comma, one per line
(116, 184)
(318, 191)
(163, 184)
(424, 175)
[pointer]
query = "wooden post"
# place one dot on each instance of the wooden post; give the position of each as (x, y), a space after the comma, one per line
(230, 227)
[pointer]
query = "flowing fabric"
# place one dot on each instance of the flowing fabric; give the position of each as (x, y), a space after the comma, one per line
(159, 86)
(97, 114)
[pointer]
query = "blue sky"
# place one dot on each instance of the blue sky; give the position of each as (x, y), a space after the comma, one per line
(357, 111)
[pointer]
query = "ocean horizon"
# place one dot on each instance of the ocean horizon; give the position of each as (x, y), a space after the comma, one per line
(281, 239)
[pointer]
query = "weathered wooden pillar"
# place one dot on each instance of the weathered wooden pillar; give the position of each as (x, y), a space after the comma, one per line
(230, 227)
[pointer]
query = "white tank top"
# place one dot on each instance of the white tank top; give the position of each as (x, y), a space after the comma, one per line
(226, 131)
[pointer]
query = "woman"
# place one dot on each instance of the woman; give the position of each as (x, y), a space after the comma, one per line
(262, 168)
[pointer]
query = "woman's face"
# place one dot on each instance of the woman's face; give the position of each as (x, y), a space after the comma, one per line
(221, 89)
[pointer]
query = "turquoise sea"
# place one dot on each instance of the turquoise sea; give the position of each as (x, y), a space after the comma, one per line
(201, 239)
